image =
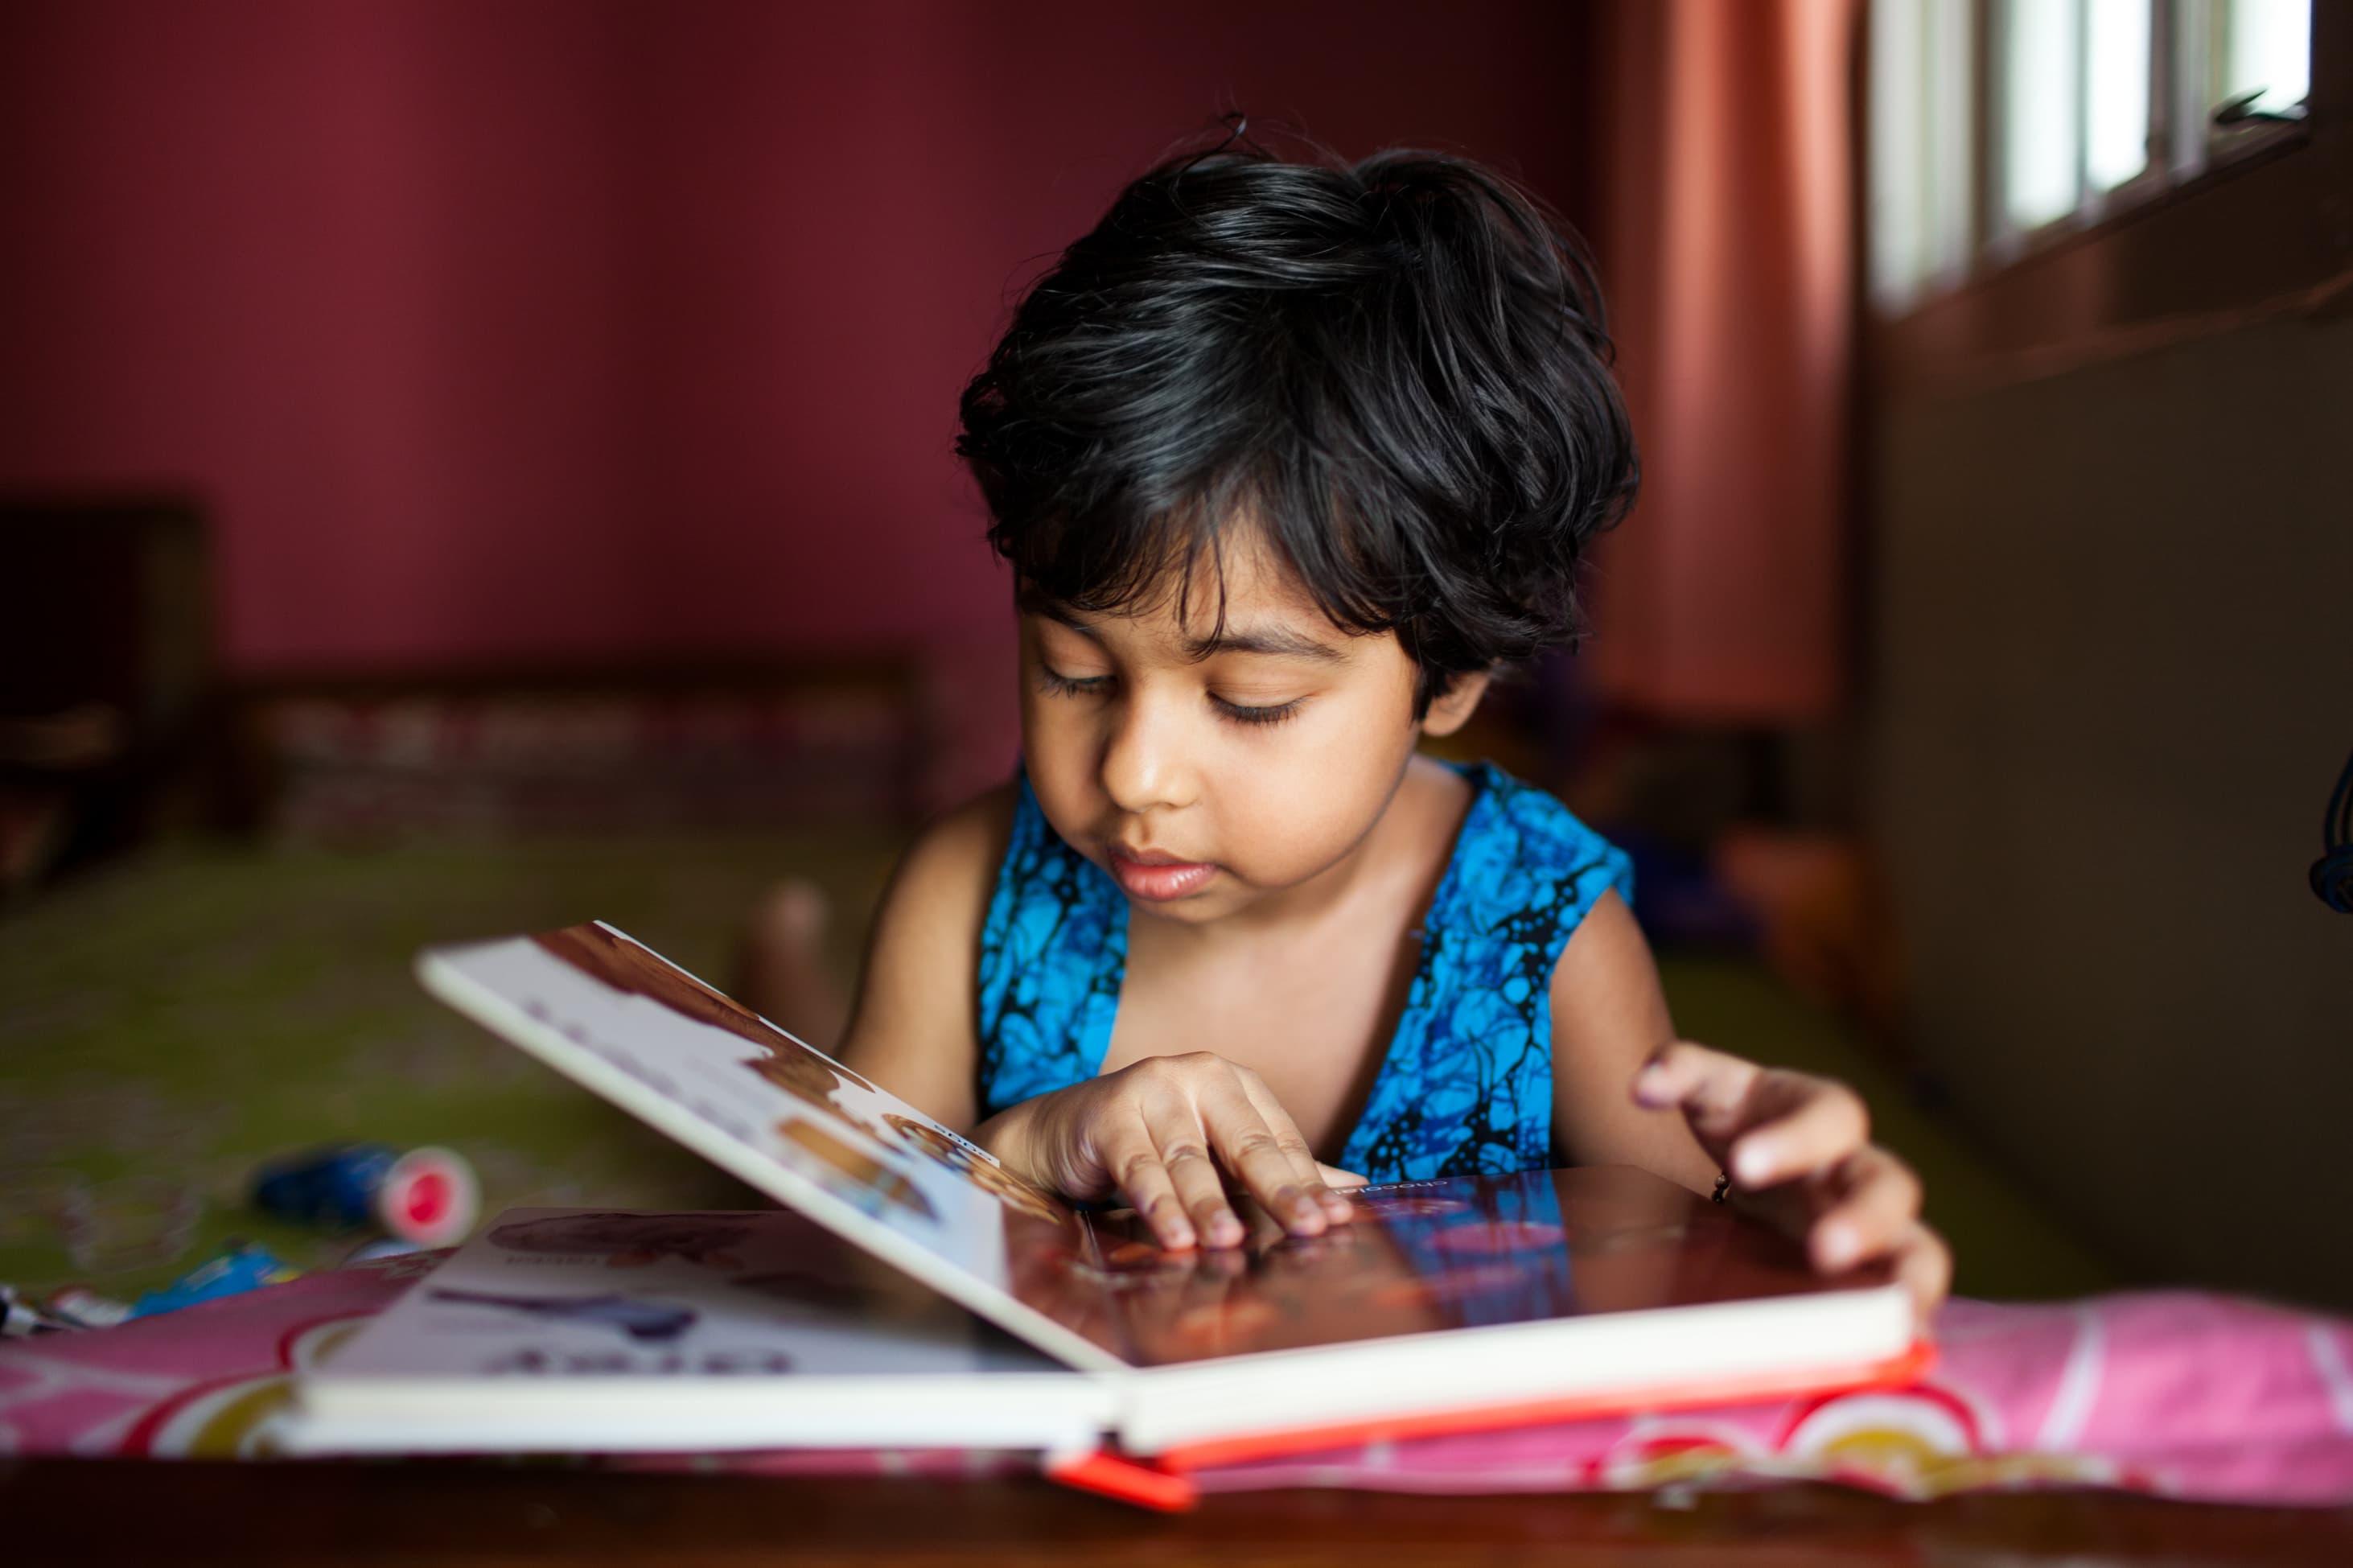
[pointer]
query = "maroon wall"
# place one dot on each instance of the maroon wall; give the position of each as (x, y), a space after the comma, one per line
(534, 331)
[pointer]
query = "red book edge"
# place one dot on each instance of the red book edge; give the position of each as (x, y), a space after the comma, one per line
(1108, 1473)
(1164, 1481)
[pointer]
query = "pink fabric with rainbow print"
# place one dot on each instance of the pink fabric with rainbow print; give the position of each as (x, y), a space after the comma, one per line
(2179, 1393)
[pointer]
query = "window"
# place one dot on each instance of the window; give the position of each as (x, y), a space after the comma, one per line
(2266, 53)
(2117, 69)
(1923, 83)
(2038, 82)
(1994, 124)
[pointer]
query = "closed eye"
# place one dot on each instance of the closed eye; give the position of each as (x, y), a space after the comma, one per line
(1062, 686)
(1244, 712)
(1055, 683)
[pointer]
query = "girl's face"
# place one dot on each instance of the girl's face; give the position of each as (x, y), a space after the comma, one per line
(1211, 777)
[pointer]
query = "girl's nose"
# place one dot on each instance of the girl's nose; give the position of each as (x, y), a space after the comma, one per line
(1144, 760)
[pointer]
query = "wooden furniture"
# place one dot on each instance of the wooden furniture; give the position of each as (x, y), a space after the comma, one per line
(108, 679)
(484, 1515)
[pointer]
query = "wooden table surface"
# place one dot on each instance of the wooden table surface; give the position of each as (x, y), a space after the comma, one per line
(101, 1511)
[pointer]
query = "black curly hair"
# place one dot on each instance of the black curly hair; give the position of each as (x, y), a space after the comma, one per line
(1396, 369)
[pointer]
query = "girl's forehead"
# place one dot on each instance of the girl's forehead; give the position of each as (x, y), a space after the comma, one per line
(1243, 598)
(1232, 574)
(1244, 582)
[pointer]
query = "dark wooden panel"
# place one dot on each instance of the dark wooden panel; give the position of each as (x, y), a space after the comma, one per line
(93, 1511)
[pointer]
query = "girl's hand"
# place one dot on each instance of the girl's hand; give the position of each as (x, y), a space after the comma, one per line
(1800, 1147)
(1161, 1132)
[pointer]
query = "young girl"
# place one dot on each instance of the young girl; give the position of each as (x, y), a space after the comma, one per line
(1288, 462)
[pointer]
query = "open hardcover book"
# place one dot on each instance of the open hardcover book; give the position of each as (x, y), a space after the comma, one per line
(1448, 1303)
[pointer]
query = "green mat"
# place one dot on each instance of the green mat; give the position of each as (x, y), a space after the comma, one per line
(169, 1023)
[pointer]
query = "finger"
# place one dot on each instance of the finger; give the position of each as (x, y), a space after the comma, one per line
(1925, 1264)
(1708, 1085)
(1335, 1177)
(1793, 1125)
(1134, 1163)
(1247, 1145)
(1869, 1211)
(1264, 1228)
(1305, 1167)
(1278, 1121)
(1180, 1137)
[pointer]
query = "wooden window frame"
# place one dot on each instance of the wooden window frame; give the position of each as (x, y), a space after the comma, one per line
(2254, 224)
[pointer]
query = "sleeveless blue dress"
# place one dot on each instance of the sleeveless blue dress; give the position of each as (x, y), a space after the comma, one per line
(1466, 1085)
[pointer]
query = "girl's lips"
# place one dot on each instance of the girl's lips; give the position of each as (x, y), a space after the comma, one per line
(1161, 881)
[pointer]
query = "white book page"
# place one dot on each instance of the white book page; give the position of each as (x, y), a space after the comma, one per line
(610, 1014)
(612, 1331)
(624, 1298)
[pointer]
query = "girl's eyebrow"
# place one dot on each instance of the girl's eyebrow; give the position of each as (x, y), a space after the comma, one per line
(1280, 642)
(1276, 642)
(1031, 601)
(1057, 613)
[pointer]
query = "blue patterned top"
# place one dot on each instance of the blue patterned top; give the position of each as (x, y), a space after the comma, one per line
(1467, 1082)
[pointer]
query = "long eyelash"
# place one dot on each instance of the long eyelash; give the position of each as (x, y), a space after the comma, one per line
(1063, 686)
(1243, 714)
(1058, 684)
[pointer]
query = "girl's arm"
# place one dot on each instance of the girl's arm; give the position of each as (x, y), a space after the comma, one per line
(1608, 1017)
(1797, 1145)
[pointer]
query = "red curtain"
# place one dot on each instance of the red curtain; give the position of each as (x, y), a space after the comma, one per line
(1727, 252)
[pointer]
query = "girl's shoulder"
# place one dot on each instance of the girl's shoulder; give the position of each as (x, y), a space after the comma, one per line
(965, 842)
(933, 909)
(1516, 833)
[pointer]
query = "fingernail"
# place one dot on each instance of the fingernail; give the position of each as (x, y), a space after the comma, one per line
(1649, 1084)
(1336, 1206)
(1224, 1231)
(1307, 1214)
(1177, 1238)
(1753, 1163)
(1838, 1246)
